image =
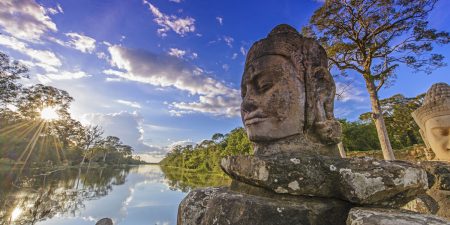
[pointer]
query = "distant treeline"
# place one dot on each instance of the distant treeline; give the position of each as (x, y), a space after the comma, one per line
(360, 135)
(206, 155)
(26, 136)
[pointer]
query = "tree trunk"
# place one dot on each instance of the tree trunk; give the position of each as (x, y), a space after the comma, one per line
(342, 150)
(104, 157)
(377, 116)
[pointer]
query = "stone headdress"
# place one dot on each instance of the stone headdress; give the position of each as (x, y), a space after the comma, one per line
(311, 62)
(436, 103)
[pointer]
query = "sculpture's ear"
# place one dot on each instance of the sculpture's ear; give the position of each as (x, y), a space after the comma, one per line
(325, 92)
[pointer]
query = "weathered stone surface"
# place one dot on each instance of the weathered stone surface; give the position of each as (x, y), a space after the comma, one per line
(443, 200)
(422, 204)
(433, 118)
(222, 206)
(104, 221)
(438, 173)
(288, 94)
(364, 181)
(437, 198)
(377, 216)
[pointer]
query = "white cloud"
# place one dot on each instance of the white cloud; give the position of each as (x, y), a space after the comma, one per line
(25, 19)
(181, 143)
(56, 10)
(218, 105)
(228, 40)
(102, 55)
(225, 67)
(63, 75)
(43, 58)
(194, 55)
(348, 92)
(177, 52)
(181, 26)
(220, 20)
(164, 71)
(81, 42)
(341, 112)
(126, 126)
(234, 56)
(243, 52)
(113, 79)
(176, 1)
(129, 103)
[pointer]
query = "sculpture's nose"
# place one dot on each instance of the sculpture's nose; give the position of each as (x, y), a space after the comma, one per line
(248, 105)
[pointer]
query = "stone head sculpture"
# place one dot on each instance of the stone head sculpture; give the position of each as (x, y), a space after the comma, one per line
(433, 118)
(288, 95)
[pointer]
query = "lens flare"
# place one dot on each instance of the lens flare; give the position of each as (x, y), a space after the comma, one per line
(49, 113)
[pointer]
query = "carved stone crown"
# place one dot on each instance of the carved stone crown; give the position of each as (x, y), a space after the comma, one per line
(286, 41)
(436, 103)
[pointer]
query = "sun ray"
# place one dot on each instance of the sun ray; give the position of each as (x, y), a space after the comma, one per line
(31, 144)
(21, 134)
(41, 147)
(25, 132)
(11, 128)
(58, 147)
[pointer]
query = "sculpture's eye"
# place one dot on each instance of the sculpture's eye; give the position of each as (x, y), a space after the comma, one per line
(263, 87)
(439, 131)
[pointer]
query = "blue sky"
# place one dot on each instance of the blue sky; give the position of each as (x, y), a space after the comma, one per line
(159, 72)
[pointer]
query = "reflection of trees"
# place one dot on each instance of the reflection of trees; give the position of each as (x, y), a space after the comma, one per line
(37, 196)
(185, 180)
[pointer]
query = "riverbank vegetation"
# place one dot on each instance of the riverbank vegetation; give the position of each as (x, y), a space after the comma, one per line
(206, 155)
(37, 129)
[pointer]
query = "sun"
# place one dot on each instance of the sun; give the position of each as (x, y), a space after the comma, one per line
(49, 113)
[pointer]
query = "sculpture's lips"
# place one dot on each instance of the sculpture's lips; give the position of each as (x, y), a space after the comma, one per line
(255, 118)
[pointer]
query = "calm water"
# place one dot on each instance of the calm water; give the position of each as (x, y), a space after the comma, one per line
(137, 195)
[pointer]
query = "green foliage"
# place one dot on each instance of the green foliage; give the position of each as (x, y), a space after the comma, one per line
(373, 37)
(10, 73)
(359, 136)
(403, 131)
(206, 155)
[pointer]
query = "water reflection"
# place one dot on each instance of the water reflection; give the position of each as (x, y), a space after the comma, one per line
(185, 180)
(135, 195)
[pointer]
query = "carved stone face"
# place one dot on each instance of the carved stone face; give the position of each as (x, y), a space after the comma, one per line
(273, 99)
(437, 132)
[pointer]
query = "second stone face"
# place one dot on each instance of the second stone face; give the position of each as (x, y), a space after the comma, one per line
(363, 181)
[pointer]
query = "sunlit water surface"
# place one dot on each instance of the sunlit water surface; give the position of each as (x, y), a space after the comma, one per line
(137, 195)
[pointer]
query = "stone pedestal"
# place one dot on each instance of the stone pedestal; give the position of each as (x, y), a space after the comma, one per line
(362, 181)
(308, 189)
(224, 206)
